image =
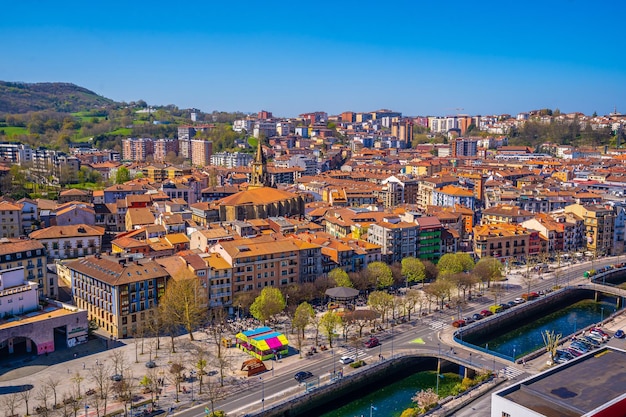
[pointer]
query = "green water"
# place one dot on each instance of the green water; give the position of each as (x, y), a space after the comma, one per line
(528, 337)
(391, 400)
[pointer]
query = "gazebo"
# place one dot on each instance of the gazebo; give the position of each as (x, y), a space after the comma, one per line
(342, 294)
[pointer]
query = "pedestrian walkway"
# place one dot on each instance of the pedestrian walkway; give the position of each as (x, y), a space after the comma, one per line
(511, 372)
(355, 353)
(438, 325)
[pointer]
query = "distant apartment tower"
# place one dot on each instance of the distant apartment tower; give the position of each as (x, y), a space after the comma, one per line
(185, 134)
(137, 149)
(314, 117)
(403, 130)
(243, 124)
(15, 153)
(265, 128)
(231, 159)
(464, 147)
(264, 115)
(284, 128)
(348, 117)
(162, 147)
(201, 151)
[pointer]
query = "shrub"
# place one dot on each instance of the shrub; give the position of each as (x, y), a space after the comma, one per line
(410, 412)
(357, 364)
(217, 413)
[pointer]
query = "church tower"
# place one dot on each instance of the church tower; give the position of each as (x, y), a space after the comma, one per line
(258, 177)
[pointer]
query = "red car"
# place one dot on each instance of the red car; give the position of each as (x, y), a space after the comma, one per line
(486, 313)
(373, 342)
(458, 323)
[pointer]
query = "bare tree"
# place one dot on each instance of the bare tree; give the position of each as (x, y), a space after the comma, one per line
(43, 395)
(76, 380)
(215, 392)
(53, 383)
(176, 376)
(200, 364)
(25, 397)
(120, 361)
(10, 402)
(100, 375)
(425, 399)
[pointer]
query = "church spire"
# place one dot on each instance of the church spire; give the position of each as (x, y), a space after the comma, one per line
(258, 178)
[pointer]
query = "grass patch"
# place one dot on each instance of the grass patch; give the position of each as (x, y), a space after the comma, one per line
(122, 131)
(253, 142)
(13, 130)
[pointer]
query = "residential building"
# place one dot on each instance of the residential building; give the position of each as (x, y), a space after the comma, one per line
(30, 215)
(163, 148)
(599, 224)
(120, 295)
(73, 213)
(451, 195)
(231, 159)
(260, 262)
(31, 255)
(201, 151)
(502, 241)
(429, 238)
(137, 149)
(74, 194)
(505, 214)
(63, 242)
(10, 219)
(398, 239)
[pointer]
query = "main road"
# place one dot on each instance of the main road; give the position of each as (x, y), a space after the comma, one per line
(420, 335)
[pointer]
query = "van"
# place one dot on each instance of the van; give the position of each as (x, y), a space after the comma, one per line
(495, 309)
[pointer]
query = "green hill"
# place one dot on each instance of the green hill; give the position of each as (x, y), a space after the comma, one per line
(18, 97)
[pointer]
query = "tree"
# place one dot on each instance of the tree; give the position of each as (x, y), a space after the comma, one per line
(426, 399)
(381, 272)
(53, 383)
(25, 395)
(10, 402)
(176, 376)
(487, 270)
(329, 322)
(100, 375)
(431, 270)
(440, 289)
(43, 395)
(551, 342)
(411, 299)
(183, 302)
(340, 277)
(413, 269)
(301, 319)
(268, 304)
(122, 175)
(381, 302)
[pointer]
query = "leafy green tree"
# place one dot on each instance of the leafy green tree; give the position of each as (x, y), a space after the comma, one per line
(381, 302)
(122, 175)
(413, 269)
(329, 322)
(487, 270)
(440, 289)
(340, 277)
(301, 319)
(270, 302)
(382, 274)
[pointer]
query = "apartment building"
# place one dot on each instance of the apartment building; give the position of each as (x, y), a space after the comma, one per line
(502, 241)
(201, 151)
(163, 148)
(137, 149)
(231, 159)
(119, 294)
(599, 224)
(505, 214)
(260, 262)
(398, 239)
(64, 242)
(31, 255)
(451, 195)
(10, 219)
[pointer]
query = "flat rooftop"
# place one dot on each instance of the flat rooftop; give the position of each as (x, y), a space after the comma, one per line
(49, 311)
(576, 387)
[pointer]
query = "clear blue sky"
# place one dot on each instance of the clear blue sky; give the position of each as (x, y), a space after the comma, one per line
(420, 57)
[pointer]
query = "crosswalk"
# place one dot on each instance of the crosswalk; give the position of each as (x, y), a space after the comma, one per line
(438, 324)
(511, 372)
(353, 353)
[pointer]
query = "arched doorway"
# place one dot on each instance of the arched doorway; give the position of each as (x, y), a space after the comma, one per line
(17, 346)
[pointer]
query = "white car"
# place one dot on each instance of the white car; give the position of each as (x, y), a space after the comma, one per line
(346, 360)
(519, 300)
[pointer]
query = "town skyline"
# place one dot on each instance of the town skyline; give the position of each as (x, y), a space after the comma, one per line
(484, 59)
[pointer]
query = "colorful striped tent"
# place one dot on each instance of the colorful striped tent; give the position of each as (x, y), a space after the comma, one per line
(263, 343)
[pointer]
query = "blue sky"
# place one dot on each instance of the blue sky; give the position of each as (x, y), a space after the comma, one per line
(418, 57)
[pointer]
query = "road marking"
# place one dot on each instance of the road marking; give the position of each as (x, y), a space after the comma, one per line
(511, 372)
(419, 341)
(438, 325)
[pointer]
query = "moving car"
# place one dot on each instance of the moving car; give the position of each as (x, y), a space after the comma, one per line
(373, 342)
(302, 375)
(346, 360)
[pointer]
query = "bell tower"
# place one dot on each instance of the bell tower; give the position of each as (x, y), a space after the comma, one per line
(258, 177)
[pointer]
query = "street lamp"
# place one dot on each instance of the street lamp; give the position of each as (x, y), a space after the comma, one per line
(86, 408)
(193, 374)
(438, 366)
(334, 363)
(262, 394)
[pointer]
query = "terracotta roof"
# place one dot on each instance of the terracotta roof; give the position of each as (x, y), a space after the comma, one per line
(6, 206)
(8, 246)
(74, 192)
(58, 232)
(139, 216)
(255, 247)
(257, 196)
(111, 272)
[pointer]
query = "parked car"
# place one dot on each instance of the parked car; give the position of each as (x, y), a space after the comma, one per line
(620, 334)
(477, 316)
(584, 343)
(591, 341)
(580, 347)
(519, 300)
(530, 296)
(373, 342)
(595, 337)
(495, 309)
(458, 323)
(512, 303)
(346, 360)
(486, 313)
(504, 306)
(564, 354)
(573, 351)
(302, 375)
(150, 364)
(599, 333)
(116, 377)
(469, 320)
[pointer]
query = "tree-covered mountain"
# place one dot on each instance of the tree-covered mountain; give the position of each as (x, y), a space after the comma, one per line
(16, 97)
